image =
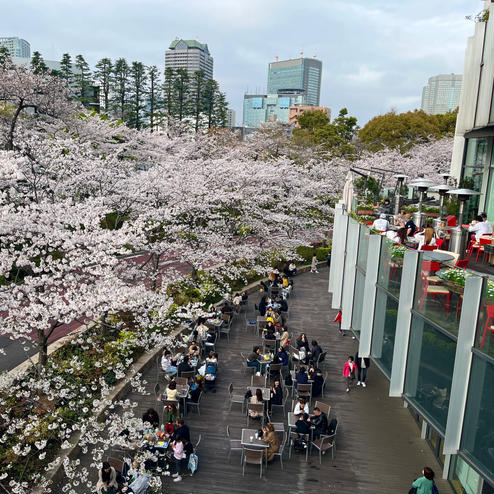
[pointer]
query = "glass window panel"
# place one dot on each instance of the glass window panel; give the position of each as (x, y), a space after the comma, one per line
(439, 294)
(431, 356)
(363, 247)
(463, 477)
(478, 427)
(358, 300)
(384, 330)
(390, 266)
(485, 324)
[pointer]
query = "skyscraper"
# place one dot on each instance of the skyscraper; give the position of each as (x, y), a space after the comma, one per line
(296, 74)
(230, 118)
(190, 55)
(442, 93)
(17, 47)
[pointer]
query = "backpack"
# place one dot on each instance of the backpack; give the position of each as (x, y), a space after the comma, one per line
(435, 490)
(211, 369)
(193, 463)
(299, 445)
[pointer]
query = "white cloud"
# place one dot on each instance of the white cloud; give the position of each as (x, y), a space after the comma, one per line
(365, 75)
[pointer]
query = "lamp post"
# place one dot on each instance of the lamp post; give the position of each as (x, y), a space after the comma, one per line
(445, 177)
(441, 190)
(400, 178)
(458, 240)
(422, 187)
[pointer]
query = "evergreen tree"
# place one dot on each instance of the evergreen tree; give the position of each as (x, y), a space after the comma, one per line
(181, 93)
(154, 99)
(103, 75)
(82, 81)
(66, 67)
(120, 88)
(38, 65)
(138, 91)
(214, 105)
(4, 55)
(168, 93)
(198, 83)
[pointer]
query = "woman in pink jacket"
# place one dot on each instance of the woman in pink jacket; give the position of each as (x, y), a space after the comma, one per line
(349, 372)
(178, 455)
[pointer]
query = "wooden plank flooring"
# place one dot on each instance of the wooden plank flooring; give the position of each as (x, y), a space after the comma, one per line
(379, 449)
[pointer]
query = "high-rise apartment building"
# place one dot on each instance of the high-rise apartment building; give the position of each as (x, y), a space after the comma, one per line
(442, 93)
(230, 118)
(190, 55)
(17, 47)
(296, 74)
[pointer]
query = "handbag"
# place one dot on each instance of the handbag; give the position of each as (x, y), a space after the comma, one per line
(435, 490)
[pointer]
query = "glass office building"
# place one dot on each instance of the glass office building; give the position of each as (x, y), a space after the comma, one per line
(301, 74)
(17, 47)
(436, 349)
(260, 108)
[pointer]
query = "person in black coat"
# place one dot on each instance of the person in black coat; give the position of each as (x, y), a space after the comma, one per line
(363, 363)
(320, 422)
(276, 394)
(315, 351)
(152, 417)
(302, 425)
(184, 366)
(301, 376)
(181, 430)
(263, 306)
(317, 379)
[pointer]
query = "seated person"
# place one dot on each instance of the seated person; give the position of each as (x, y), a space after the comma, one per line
(237, 300)
(269, 436)
(320, 422)
(301, 376)
(292, 269)
(263, 304)
(166, 364)
(212, 359)
(269, 333)
(276, 393)
(184, 366)
(410, 226)
(315, 351)
(284, 336)
(194, 350)
(381, 224)
(281, 356)
(152, 417)
(245, 296)
(399, 236)
(301, 407)
(171, 391)
(253, 358)
(270, 327)
(171, 414)
(256, 399)
(107, 479)
(202, 329)
(302, 425)
(317, 379)
(426, 237)
(303, 343)
(194, 393)
(283, 304)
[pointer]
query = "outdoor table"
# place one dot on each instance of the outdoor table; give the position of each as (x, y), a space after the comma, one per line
(437, 256)
(260, 319)
(255, 443)
(183, 391)
(264, 363)
(266, 392)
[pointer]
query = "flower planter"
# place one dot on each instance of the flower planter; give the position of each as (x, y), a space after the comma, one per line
(454, 287)
(365, 211)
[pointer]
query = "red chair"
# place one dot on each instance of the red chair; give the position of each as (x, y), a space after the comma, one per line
(462, 263)
(428, 247)
(490, 317)
(439, 243)
(451, 220)
(483, 241)
(434, 290)
(430, 267)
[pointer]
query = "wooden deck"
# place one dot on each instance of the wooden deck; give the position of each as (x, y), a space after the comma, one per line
(379, 449)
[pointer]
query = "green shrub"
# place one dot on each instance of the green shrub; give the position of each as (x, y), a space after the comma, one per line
(305, 252)
(322, 253)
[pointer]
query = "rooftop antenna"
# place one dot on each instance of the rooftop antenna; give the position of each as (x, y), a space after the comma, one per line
(302, 54)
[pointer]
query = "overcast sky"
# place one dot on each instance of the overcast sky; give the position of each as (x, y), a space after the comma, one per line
(376, 54)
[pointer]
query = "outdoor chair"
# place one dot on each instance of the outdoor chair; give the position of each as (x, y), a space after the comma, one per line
(428, 289)
(323, 444)
(278, 426)
(116, 464)
(462, 263)
(255, 407)
(187, 375)
(157, 391)
(483, 241)
(196, 445)
(324, 383)
(235, 445)
(258, 381)
(250, 323)
(324, 407)
(281, 450)
(304, 391)
(210, 346)
(320, 359)
(268, 345)
(283, 403)
(235, 398)
(182, 380)
(253, 457)
(275, 370)
(196, 404)
(226, 328)
(247, 367)
(291, 440)
(428, 247)
(488, 323)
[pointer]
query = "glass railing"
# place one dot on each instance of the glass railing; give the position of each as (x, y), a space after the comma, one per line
(391, 266)
(363, 247)
(484, 340)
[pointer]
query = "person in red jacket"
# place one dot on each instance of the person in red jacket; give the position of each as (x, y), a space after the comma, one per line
(349, 372)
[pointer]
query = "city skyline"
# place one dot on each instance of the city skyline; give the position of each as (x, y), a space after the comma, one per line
(374, 58)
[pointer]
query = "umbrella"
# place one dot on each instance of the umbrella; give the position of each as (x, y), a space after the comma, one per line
(348, 191)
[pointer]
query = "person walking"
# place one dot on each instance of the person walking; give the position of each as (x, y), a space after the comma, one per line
(349, 372)
(424, 484)
(363, 363)
(313, 266)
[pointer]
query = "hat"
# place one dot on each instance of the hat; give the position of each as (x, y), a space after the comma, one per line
(383, 216)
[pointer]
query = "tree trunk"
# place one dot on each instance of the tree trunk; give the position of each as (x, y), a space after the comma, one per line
(10, 137)
(42, 350)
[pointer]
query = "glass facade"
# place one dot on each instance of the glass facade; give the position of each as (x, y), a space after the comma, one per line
(463, 478)
(363, 247)
(358, 301)
(260, 108)
(429, 371)
(478, 427)
(484, 340)
(391, 266)
(383, 335)
(437, 298)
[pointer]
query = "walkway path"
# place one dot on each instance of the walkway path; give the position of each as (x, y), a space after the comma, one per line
(379, 449)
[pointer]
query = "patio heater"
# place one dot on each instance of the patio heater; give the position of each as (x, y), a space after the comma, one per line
(400, 178)
(458, 241)
(421, 186)
(445, 177)
(441, 190)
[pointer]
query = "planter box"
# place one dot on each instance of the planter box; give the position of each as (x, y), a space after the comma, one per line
(365, 211)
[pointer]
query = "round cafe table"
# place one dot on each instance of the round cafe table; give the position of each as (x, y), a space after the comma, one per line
(431, 255)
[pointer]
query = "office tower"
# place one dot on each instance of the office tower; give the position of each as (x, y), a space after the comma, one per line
(260, 108)
(17, 47)
(190, 55)
(442, 93)
(230, 118)
(296, 74)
